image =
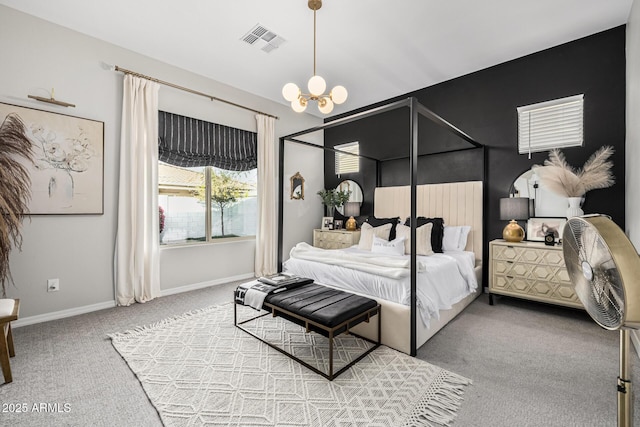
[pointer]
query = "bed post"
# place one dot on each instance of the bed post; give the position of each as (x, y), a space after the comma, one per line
(485, 217)
(413, 156)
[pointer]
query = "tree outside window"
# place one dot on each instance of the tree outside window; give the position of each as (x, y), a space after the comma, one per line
(226, 191)
(230, 210)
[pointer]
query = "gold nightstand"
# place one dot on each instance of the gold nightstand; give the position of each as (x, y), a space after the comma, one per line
(530, 270)
(335, 239)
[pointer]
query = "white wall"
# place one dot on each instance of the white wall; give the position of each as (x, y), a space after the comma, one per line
(302, 158)
(632, 146)
(632, 180)
(37, 56)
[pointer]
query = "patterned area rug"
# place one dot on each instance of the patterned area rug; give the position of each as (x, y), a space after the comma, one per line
(199, 369)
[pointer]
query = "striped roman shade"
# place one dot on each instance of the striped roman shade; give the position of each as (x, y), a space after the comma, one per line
(188, 142)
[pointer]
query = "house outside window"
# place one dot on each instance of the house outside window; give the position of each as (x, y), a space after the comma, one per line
(230, 199)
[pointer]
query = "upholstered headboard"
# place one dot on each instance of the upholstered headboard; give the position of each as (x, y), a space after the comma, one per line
(459, 203)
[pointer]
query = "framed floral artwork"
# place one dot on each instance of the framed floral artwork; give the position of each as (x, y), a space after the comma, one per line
(67, 174)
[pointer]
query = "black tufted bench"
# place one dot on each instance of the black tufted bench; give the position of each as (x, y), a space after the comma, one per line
(324, 310)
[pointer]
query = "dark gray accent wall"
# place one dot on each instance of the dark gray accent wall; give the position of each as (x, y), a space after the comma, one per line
(483, 104)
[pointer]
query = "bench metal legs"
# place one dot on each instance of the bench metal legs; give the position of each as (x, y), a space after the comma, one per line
(364, 316)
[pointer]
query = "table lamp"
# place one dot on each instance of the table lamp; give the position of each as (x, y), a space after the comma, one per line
(351, 209)
(513, 209)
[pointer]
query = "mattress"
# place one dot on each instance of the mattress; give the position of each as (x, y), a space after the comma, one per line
(443, 279)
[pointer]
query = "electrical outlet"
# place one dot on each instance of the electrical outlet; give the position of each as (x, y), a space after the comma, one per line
(53, 285)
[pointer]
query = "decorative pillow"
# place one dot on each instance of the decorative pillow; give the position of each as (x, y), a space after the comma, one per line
(464, 234)
(436, 234)
(451, 238)
(394, 247)
(376, 222)
(423, 238)
(367, 232)
(455, 237)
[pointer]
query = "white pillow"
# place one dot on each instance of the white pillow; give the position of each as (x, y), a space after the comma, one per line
(394, 247)
(450, 238)
(455, 237)
(367, 232)
(423, 237)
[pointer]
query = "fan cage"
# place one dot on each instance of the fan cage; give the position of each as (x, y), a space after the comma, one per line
(594, 273)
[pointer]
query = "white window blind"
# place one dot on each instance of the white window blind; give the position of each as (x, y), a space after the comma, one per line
(552, 124)
(346, 163)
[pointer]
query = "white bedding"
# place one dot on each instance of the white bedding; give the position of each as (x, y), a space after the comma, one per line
(443, 279)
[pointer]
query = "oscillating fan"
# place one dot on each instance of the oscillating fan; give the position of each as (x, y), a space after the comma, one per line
(604, 268)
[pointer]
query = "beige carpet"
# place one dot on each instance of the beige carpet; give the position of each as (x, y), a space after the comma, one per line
(199, 369)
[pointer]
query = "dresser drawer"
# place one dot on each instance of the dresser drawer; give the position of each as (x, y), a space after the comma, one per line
(540, 271)
(530, 270)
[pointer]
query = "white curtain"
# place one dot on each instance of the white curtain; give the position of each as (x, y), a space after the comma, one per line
(266, 233)
(137, 265)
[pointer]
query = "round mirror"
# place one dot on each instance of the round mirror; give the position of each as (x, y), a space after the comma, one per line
(544, 202)
(356, 192)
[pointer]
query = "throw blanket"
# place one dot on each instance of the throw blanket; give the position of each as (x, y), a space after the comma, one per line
(253, 293)
(386, 266)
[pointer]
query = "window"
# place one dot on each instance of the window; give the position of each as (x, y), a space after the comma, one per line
(347, 163)
(551, 124)
(207, 180)
(191, 198)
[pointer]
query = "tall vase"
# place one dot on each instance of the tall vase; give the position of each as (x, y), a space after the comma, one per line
(330, 209)
(574, 207)
(61, 188)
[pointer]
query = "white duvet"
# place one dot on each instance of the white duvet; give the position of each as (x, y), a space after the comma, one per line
(442, 280)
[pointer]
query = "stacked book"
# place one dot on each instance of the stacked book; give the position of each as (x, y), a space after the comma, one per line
(253, 293)
(281, 279)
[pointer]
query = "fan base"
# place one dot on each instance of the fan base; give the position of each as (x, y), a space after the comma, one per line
(625, 395)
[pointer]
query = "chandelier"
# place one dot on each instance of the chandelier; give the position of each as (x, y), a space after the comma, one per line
(316, 84)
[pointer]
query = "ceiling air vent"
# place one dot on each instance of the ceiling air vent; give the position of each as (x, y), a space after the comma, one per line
(263, 38)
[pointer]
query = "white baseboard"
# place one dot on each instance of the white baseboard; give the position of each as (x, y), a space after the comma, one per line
(110, 304)
(62, 314)
(201, 285)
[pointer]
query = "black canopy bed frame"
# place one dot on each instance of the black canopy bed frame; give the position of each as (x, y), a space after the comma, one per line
(416, 110)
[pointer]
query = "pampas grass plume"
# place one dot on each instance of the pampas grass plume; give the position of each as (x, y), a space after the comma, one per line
(561, 178)
(596, 172)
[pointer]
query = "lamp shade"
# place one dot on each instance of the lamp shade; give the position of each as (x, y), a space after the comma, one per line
(291, 92)
(514, 208)
(352, 209)
(339, 94)
(326, 105)
(316, 85)
(299, 105)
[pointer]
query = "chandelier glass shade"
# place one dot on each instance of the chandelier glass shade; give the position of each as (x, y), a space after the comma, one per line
(316, 85)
